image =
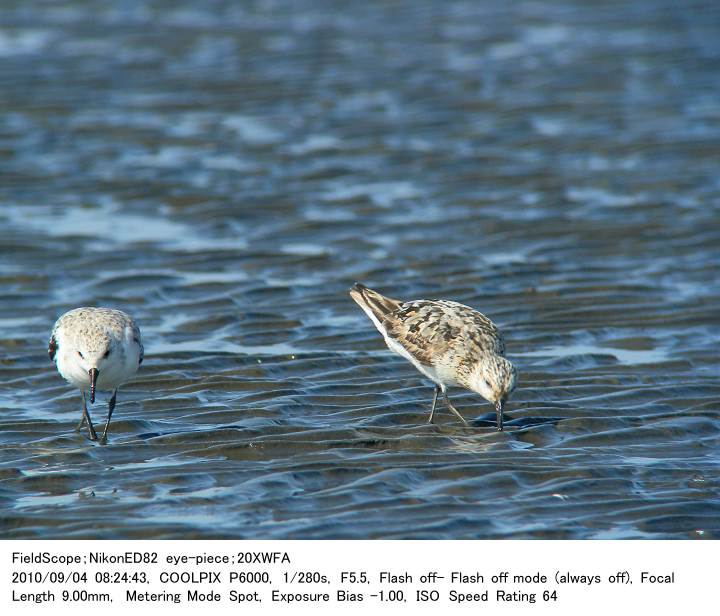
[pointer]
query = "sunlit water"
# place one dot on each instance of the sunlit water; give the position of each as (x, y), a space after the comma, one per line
(225, 171)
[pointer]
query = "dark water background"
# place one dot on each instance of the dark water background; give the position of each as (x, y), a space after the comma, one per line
(225, 170)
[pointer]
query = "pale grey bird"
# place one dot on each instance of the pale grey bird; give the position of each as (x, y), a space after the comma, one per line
(96, 349)
(448, 342)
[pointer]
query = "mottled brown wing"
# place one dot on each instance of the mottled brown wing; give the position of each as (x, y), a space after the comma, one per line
(430, 329)
(482, 332)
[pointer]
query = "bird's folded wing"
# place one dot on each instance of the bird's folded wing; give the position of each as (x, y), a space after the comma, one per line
(432, 329)
(137, 337)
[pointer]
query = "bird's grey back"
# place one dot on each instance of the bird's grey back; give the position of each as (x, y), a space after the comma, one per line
(95, 326)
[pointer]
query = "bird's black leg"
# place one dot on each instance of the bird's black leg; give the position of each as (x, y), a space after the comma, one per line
(111, 408)
(432, 410)
(499, 415)
(453, 409)
(86, 419)
(82, 417)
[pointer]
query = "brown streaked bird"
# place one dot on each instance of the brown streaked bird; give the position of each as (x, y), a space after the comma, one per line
(448, 342)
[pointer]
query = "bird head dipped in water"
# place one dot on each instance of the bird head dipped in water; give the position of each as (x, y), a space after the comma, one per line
(494, 379)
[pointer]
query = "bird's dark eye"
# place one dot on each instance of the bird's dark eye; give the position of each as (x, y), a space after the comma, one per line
(106, 354)
(487, 383)
(81, 355)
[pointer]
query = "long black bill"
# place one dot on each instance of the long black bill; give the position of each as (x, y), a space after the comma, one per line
(93, 380)
(499, 412)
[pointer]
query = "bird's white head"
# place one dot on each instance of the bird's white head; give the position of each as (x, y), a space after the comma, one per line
(92, 353)
(494, 380)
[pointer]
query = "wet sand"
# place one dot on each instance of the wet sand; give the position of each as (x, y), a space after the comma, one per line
(226, 173)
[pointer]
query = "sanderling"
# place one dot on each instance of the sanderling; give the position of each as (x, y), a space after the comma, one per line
(449, 343)
(96, 349)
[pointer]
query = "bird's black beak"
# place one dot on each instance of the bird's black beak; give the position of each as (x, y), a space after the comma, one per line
(93, 380)
(499, 412)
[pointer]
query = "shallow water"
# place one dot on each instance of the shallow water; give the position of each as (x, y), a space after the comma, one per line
(226, 172)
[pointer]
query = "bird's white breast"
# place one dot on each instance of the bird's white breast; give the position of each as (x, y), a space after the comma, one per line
(69, 367)
(122, 363)
(429, 371)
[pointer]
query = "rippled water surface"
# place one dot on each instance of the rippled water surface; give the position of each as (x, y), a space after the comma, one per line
(226, 170)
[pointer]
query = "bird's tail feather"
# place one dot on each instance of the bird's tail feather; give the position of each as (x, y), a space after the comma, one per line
(376, 306)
